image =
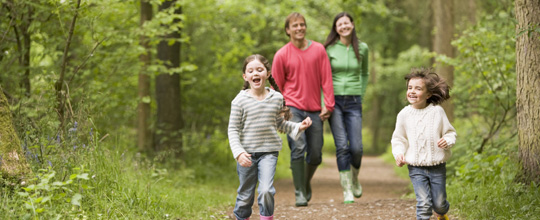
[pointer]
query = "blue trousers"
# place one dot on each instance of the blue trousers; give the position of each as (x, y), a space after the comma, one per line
(429, 184)
(263, 169)
(346, 125)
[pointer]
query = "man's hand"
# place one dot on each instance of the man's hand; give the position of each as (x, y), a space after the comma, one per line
(325, 114)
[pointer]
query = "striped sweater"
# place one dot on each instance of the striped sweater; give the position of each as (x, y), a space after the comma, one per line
(417, 132)
(253, 124)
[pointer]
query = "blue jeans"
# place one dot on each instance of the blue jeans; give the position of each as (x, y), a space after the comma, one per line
(346, 125)
(310, 142)
(429, 184)
(263, 169)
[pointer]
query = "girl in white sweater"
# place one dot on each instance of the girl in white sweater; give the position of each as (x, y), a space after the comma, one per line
(422, 139)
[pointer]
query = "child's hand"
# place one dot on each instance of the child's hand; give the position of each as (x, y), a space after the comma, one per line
(305, 124)
(400, 160)
(442, 144)
(244, 159)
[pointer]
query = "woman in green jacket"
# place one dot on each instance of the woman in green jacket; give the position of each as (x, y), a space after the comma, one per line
(349, 61)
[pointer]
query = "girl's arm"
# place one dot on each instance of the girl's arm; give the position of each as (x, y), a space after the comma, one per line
(448, 132)
(234, 130)
(288, 127)
(400, 141)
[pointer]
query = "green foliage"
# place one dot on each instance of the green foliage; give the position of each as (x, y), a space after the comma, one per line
(484, 187)
(40, 197)
(482, 171)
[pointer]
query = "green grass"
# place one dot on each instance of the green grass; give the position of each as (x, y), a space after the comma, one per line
(113, 182)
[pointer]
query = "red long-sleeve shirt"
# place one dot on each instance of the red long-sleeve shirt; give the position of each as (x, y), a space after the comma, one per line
(301, 74)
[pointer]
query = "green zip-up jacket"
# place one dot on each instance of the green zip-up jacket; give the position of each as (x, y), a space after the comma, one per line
(349, 76)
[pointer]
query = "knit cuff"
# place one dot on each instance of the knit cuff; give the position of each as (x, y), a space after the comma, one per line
(295, 133)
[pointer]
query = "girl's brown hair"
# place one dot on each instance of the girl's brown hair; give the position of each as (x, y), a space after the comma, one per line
(286, 112)
(436, 86)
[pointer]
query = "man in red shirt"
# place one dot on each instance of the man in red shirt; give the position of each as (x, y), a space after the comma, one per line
(301, 69)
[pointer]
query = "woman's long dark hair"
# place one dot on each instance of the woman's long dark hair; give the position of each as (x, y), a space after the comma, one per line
(286, 111)
(333, 36)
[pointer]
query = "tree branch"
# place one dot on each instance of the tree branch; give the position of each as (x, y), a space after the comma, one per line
(60, 82)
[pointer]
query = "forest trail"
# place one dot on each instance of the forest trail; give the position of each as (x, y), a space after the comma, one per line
(382, 190)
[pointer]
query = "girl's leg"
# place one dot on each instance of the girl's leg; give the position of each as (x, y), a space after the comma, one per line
(246, 190)
(267, 169)
(420, 180)
(438, 189)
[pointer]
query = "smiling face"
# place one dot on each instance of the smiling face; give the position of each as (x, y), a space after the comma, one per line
(256, 75)
(417, 93)
(344, 27)
(296, 29)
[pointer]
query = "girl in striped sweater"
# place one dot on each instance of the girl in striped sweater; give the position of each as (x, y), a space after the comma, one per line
(257, 113)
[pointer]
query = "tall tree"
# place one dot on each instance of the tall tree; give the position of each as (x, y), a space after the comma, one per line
(12, 160)
(528, 87)
(168, 97)
(61, 95)
(444, 30)
(21, 15)
(143, 108)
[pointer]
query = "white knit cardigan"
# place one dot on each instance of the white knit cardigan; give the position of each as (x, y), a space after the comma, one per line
(417, 133)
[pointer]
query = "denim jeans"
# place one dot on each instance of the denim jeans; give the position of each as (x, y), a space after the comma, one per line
(429, 184)
(310, 142)
(346, 126)
(263, 169)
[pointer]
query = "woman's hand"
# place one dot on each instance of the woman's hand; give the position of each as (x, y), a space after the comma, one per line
(305, 124)
(244, 159)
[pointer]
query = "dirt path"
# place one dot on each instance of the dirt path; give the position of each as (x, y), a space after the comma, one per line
(380, 200)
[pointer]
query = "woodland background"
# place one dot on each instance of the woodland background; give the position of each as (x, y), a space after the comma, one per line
(119, 109)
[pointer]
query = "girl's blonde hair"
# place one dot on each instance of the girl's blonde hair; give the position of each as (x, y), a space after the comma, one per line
(286, 112)
(436, 86)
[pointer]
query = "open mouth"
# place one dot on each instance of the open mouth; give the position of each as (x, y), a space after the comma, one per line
(256, 80)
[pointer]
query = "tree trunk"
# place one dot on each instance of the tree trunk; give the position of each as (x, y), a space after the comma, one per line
(143, 109)
(13, 163)
(374, 119)
(169, 114)
(528, 88)
(27, 20)
(444, 30)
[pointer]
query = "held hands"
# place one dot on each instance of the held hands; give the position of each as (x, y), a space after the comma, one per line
(325, 114)
(442, 144)
(305, 124)
(400, 160)
(244, 159)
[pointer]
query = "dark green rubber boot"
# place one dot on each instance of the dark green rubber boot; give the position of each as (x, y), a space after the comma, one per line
(299, 180)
